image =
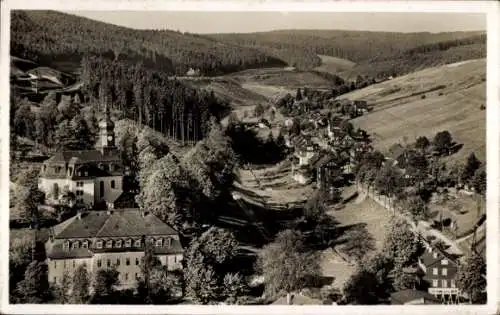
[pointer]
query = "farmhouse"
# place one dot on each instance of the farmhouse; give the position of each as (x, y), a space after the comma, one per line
(439, 272)
(112, 238)
(93, 176)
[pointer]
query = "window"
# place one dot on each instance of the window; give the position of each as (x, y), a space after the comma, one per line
(151, 241)
(66, 245)
(434, 283)
(58, 169)
(79, 184)
(159, 242)
(86, 173)
(444, 261)
(55, 264)
(444, 283)
(109, 244)
(169, 242)
(76, 244)
(101, 189)
(99, 244)
(444, 272)
(111, 167)
(128, 243)
(113, 184)
(108, 262)
(55, 279)
(435, 255)
(435, 271)
(99, 263)
(74, 264)
(44, 168)
(127, 261)
(70, 171)
(118, 261)
(136, 276)
(126, 276)
(453, 285)
(118, 244)
(137, 261)
(137, 243)
(85, 244)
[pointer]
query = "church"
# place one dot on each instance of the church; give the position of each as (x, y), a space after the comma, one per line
(95, 177)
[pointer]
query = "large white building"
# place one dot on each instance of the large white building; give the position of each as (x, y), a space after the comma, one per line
(94, 176)
(111, 239)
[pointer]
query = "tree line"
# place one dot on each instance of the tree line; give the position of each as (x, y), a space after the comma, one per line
(358, 46)
(44, 36)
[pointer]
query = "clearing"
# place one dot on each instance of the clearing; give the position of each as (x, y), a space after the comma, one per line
(334, 65)
(426, 102)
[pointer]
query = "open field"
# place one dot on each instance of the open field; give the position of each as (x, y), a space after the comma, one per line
(453, 96)
(358, 211)
(334, 65)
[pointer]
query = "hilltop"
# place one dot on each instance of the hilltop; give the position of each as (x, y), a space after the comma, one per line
(424, 102)
(45, 36)
(375, 53)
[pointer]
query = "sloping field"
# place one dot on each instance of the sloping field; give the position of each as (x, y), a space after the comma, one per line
(334, 65)
(230, 91)
(425, 102)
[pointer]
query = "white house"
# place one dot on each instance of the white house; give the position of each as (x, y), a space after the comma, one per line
(94, 176)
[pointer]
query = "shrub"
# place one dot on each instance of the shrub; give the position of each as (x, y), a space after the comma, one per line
(423, 96)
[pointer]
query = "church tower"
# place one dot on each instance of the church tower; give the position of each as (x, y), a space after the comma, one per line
(106, 139)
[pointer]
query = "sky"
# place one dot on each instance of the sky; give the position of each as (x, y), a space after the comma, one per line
(246, 22)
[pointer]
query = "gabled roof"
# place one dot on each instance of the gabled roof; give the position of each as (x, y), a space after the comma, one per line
(84, 156)
(116, 223)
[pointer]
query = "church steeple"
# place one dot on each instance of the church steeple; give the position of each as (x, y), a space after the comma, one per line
(106, 139)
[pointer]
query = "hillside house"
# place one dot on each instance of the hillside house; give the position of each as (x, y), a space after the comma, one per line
(334, 127)
(327, 169)
(439, 272)
(112, 238)
(193, 72)
(94, 176)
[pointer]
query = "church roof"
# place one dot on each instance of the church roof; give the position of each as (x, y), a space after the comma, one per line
(83, 156)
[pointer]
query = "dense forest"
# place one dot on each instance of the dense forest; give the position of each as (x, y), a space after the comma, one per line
(44, 36)
(148, 97)
(301, 47)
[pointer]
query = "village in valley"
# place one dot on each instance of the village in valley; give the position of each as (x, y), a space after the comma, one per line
(161, 177)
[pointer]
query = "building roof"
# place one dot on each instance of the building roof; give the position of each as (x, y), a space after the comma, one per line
(83, 156)
(407, 296)
(115, 223)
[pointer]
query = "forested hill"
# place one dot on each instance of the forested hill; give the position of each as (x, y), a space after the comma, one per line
(44, 36)
(372, 51)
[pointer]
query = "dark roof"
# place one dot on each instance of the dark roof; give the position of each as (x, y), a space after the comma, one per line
(324, 159)
(84, 156)
(116, 223)
(405, 296)
(57, 252)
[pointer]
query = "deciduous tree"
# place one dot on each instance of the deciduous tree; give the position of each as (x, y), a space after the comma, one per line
(287, 264)
(81, 286)
(34, 288)
(470, 278)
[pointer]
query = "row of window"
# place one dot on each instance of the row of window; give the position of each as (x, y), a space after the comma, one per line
(435, 271)
(118, 261)
(444, 283)
(124, 277)
(160, 242)
(102, 166)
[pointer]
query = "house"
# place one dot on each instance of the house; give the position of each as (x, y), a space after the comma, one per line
(439, 272)
(413, 297)
(334, 127)
(110, 238)
(327, 170)
(94, 176)
(192, 72)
